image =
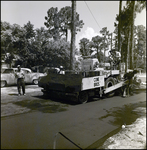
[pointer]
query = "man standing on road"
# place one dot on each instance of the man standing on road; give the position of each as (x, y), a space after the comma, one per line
(61, 70)
(20, 80)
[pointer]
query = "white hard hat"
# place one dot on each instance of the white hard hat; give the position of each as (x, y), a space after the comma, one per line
(61, 66)
(18, 66)
(118, 54)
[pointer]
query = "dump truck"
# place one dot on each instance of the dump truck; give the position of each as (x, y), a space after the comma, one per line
(90, 81)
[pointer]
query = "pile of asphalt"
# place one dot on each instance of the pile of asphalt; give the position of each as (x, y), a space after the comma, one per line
(67, 80)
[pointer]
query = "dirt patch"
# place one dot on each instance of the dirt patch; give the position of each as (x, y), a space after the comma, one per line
(44, 106)
(12, 109)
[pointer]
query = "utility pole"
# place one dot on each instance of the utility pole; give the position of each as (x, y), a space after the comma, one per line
(119, 35)
(111, 41)
(104, 49)
(120, 5)
(132, 37)
(73, 37)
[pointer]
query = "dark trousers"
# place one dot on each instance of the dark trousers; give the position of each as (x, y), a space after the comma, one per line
(20, 83)
(127, 87)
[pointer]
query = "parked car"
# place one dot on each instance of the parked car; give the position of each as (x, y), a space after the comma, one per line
(8, 76)
(2, 70)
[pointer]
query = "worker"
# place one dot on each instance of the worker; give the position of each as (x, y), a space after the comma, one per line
(95, 66)
(61, 70)
(115, 58)
(129, 78)
(20, 80)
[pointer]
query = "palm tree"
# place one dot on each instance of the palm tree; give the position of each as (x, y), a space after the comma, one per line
(135, 7)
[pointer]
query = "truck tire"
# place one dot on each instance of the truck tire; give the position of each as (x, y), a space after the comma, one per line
(83, 97)
(108, 83)
(3, 83)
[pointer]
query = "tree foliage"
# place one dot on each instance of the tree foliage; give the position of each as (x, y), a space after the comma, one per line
(140, 47)
(127, 27)
(84, 47)
(58, 22)
(32, 47)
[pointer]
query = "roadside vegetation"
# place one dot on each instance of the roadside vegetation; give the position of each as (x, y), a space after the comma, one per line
(48, 45)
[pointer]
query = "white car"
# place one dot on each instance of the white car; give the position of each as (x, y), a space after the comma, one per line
(8, 76)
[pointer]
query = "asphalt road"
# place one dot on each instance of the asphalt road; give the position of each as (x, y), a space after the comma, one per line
(35, 122)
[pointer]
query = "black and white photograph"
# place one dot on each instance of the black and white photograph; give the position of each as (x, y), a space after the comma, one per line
(73, 74)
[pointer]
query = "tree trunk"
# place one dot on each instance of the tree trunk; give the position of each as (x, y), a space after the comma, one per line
(111, 41)
(72, 53)
(128, 52)
(56, 30)
(132, 37)
(145, 57)
(66, 34)
(98, 57)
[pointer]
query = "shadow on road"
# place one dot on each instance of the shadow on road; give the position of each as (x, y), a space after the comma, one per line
(13, 94)
(45, 106)
(62, 100)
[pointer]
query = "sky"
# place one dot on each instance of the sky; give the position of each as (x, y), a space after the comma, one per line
(101, 14)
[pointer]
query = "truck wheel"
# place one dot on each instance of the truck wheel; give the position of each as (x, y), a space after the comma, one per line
(110, 82)
(3, 83)
(83, 97)
(35, 81)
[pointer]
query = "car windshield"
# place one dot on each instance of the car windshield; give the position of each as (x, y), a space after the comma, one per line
(8, 71)
(26, 71)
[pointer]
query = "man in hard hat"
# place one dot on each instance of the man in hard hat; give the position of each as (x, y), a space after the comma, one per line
(61, 70)
(20, 80)
(115, 57)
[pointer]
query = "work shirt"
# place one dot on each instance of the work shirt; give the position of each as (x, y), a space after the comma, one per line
(20, 74)
(62, 72)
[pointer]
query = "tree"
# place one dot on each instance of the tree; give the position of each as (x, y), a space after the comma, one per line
(30, 33)
(140, 47)
(127, 17)
(127, 27)
(7, 43)
(63, 21)
(84, 47)
(106, 42)
(53, 22)
(33, 47)
(97, 45)
(57, 53)
(131, 6)
(39, 45)
(140, 5)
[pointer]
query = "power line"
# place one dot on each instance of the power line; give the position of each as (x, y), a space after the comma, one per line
(92, 14)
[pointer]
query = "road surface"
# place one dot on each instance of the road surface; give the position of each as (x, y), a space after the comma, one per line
(35, 122)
